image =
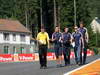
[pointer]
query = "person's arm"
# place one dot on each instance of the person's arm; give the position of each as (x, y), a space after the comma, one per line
(37, 37)
(37, 40)
(61, 37)
(82, 40)
(87, 36)
(72, 40)
(48, 40)
(53, 39)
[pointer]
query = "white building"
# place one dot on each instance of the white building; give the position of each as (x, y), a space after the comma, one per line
(95, 24)
(14, 37)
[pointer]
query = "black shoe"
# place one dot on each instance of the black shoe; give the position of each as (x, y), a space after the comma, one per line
(84, 63)
(45, 67)
(59, 65)
(66, 64)
(80, 64)
(41, 67)
(77, 62)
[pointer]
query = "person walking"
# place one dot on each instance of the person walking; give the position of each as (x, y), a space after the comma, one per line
(77, 37)
(66, 38)
(56, 38)
(43, 43)
(84, 32)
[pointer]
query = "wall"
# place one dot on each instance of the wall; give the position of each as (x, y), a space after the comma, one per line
(17, 44)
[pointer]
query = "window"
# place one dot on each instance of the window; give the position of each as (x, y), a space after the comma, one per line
(22, 38)
(14, 37)
(6, 48)
(6, 36)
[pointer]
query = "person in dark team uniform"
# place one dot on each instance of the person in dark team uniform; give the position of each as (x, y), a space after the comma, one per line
(84, 32)
(66, 38)
(78, 39)
(56, 36)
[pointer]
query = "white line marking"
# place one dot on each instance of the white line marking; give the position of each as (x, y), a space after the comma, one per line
(82, 67)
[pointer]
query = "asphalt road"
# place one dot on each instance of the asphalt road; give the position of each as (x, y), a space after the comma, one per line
(32, 68)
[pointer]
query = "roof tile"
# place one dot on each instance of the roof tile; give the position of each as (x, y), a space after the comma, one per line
(12, 25)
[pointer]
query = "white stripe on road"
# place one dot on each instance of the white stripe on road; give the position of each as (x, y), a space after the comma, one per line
(81, 67)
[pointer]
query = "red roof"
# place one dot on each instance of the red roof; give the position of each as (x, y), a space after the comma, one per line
(12, 25)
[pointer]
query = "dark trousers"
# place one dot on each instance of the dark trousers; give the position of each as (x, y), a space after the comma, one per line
(77, 51)
(83, 58)
(43, 55)
(84, 55)
(66, 53)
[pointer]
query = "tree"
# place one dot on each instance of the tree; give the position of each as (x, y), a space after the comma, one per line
(23, 10)
(29, 14)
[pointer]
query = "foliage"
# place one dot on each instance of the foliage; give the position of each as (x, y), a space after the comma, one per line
(29, 10)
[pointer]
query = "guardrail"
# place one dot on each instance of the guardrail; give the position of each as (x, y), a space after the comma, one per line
(32, 57)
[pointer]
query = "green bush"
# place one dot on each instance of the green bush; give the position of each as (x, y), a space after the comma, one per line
(95, 51)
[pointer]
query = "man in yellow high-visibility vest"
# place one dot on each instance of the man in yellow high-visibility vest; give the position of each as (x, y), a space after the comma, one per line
(43, 40)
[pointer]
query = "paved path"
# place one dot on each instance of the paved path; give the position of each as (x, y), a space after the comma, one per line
(32, 68)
